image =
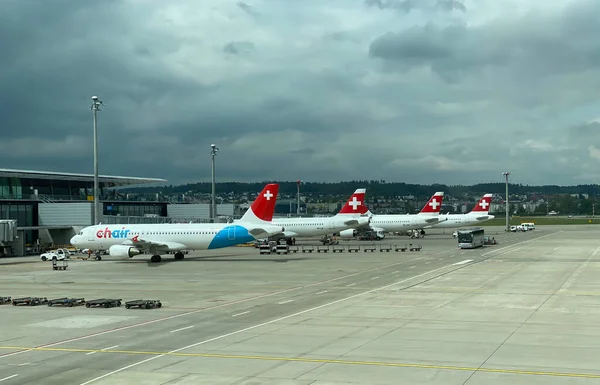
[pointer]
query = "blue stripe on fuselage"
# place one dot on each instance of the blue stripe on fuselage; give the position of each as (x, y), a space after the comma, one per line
(230, 236)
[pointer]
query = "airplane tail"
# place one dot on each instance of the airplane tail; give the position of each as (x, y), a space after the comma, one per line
(483, 206)
(355, 204)
(434, 205)
(263, 207)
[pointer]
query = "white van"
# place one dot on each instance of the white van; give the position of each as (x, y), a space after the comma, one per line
(529, 225)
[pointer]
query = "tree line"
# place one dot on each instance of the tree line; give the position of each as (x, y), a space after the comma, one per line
(375, 188)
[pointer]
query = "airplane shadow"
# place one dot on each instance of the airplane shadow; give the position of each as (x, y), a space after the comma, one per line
(221, 258)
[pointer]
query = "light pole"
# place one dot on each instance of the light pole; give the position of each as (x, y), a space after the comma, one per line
(298, 183)
(506, 174)
(213, 205)
(96, 103)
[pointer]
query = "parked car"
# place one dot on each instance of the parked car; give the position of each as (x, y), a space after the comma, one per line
(55, 255)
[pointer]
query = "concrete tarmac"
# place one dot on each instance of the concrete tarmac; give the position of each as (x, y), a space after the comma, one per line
(523, 311)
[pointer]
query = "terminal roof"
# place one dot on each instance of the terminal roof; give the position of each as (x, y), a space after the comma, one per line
(106, 179)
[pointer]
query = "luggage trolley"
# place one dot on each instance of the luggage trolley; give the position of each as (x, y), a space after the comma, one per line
(70, 302)
(31, 301)
(4, 300)
(143, 304)
(103, 302)
(63, 266)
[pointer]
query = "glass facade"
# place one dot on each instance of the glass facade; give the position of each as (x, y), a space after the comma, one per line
(10, 188)
(134, 209)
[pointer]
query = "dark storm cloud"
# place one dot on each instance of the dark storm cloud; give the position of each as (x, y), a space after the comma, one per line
(454, 93)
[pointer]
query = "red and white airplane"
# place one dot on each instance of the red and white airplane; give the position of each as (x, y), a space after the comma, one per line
(391, 223)
(127, 241)
(352, 215)
(478, 214)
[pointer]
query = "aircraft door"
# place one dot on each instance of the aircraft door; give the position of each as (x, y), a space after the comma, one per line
(91, 236)
(231, 233)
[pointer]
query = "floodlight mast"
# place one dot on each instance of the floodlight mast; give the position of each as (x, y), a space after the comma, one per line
(506, 174)
(96, 103)
(213, 205)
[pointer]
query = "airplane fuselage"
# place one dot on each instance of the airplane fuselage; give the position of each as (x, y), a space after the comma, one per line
(187, 236)
(397, 222)
(309, 227)
(460, 220)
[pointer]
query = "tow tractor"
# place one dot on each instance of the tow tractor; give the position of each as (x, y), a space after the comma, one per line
(326, 240)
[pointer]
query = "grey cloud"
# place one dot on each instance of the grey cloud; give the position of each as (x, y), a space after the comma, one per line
(239, 47)
(248, 8)
(442, 103)
(409, 5)
(532, 48)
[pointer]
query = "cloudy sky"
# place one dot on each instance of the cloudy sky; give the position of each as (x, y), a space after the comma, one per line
(421, 91)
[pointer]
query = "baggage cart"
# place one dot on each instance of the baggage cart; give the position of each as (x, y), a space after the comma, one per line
(103, 302)
(30, 301)
(70, 302)
(143, 304)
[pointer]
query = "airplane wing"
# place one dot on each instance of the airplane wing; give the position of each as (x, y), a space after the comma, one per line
(148, 244)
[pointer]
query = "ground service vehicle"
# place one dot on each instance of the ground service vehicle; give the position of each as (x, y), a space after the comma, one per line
(470, 238)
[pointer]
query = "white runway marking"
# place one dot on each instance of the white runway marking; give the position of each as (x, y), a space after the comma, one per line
(323, 292)
(110, 347)
(259, 325)
(8, 378)
(284, 302)
(242, 313)
(462, 262)
(176, 330)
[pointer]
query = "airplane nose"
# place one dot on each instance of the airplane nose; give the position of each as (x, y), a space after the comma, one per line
(73, 240)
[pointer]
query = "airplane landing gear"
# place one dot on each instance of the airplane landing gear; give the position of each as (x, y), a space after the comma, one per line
(156, 258)
(179, 255)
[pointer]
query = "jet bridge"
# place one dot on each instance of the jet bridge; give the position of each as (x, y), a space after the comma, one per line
(8, 236)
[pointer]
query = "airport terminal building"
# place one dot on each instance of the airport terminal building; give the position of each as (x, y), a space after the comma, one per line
(49, 207)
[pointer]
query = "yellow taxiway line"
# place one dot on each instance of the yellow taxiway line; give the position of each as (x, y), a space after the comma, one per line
(315, 360)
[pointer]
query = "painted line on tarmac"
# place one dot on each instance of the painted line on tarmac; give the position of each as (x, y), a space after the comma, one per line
(319, 360)
(144, 323)
(264, 324)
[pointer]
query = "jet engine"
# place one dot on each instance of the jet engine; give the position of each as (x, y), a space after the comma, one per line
(348, 233)
(122, 251)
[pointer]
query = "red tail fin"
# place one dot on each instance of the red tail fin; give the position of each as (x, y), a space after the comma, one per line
(434, 205)
(483, 206)
(356, 203)
(263, 207)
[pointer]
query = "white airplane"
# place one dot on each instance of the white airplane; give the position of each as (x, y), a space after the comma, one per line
(390, 223)
(478, 214)
(348, 217)
(129, 240)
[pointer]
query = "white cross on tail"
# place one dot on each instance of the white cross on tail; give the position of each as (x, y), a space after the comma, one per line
(434, 203)
(268, 195)
(354, 203)
(483, 204)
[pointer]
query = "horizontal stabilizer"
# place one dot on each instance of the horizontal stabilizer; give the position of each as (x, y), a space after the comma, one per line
(265, 231)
